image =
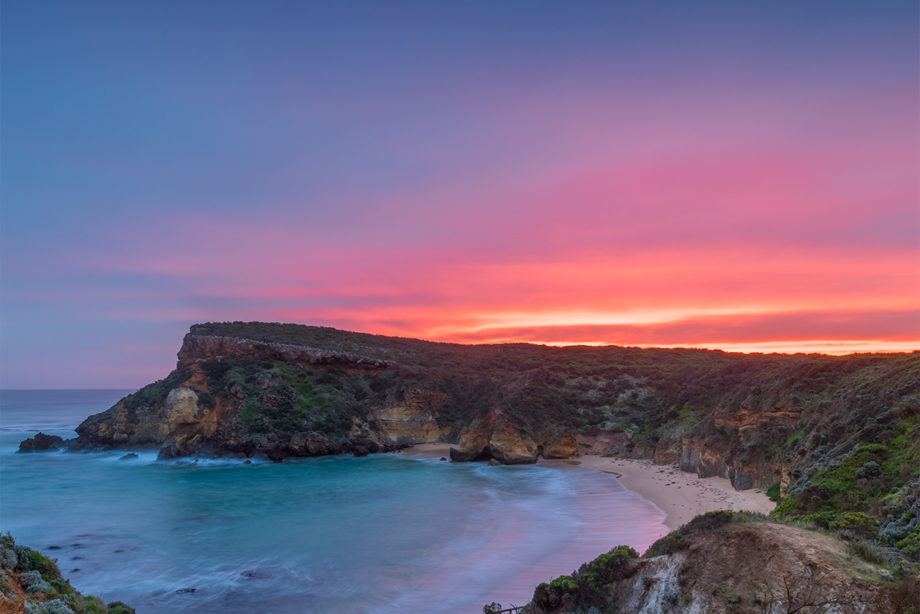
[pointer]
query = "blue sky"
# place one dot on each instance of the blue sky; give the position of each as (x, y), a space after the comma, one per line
(714, 174)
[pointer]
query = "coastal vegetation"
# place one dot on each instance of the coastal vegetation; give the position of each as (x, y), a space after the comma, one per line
(30, 582)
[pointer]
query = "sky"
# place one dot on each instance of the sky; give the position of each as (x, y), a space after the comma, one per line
(732, 175)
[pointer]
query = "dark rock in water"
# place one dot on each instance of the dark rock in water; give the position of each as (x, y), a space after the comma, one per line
(443, 459)
(40, 443)
(128, 456)
(168, 451)
(494, 462)
(190, 589)
(53, 548)
(247, 462)
(464, 456)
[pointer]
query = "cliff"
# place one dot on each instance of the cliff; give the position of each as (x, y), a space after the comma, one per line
(30, 583)
(721, 564)
(835, 439)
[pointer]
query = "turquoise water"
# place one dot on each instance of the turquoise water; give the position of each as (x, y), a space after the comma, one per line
(383, 533)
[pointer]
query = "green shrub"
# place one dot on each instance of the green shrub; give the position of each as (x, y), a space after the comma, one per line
(44, 565)
(773, 491)
(677, 540)
(565, 583)
(910, 545)
(854, 524)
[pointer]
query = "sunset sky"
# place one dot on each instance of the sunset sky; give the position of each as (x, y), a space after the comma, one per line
(734, 175)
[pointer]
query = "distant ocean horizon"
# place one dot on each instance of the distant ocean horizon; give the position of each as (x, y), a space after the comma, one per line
(384, 533)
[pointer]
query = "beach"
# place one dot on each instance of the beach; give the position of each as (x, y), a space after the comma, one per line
(680, 495)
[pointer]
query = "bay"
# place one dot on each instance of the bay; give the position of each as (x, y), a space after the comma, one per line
(383, 533)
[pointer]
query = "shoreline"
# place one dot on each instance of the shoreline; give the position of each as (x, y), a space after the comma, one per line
(680, 495)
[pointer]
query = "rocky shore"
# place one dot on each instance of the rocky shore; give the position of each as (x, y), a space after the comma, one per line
(31, 583)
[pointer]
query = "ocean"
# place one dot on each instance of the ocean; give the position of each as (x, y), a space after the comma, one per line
(384, 533)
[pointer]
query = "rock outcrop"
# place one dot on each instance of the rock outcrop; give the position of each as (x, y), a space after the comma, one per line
(197, 347)
(41, 443)
(733, 447)
(495, 437)
(565, 446)
(744, 568)
(412, 421)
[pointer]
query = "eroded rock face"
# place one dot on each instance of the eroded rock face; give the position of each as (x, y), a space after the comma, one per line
(312, 444)
(411, 422)
(724, 452)
(509, 445)
(563, 447)
(197, 347)
(495, 437)
(748, 568)
(180, 418)
(605, 443)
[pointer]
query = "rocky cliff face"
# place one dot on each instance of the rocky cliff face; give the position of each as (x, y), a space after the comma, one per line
(749, 567)
(187, 414)
(234, 395)
(199, 347)
(732, 446)
(495, 437)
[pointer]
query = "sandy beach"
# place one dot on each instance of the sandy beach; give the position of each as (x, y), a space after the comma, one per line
(680, 495)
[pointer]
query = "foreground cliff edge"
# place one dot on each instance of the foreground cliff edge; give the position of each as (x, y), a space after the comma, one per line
(835, 440)
(722, 563)
(31, 583)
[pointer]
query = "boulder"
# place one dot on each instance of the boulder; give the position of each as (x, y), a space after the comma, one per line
(509, 445)
(41, 443)
(563, 447)
(168, 451)
(495, 436)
